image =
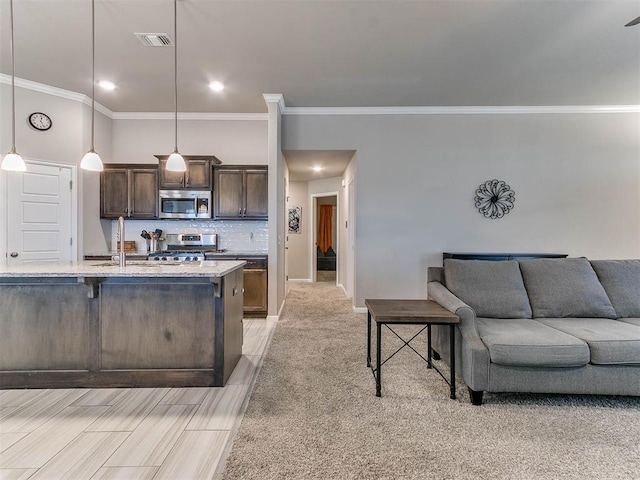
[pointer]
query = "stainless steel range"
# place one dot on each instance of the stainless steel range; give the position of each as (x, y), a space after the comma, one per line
(186, 247)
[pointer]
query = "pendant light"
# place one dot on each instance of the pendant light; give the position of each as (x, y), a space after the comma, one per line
(175, 162)
(12, 160)
(91, 160)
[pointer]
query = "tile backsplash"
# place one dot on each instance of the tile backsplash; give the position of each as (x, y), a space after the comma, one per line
(245, 236)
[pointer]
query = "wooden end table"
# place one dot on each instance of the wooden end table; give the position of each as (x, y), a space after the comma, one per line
(409, 312)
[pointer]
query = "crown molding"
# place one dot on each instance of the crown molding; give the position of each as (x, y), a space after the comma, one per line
(469, 110)
(80, 97)
(275, 98)
(56, 92)
(189, 116)
(279, 99)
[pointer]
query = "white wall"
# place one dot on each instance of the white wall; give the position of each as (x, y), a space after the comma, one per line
(345, 225)
(65, 142)
(298, 243)
(234, 142)
(576, 178)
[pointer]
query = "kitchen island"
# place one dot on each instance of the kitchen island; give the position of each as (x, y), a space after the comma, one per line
(95, 324)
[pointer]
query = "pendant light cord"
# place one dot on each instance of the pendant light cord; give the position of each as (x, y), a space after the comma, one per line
(13, 88)
(175, 67)
(93, 70)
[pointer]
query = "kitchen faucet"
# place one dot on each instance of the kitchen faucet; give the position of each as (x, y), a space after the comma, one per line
(121, 255)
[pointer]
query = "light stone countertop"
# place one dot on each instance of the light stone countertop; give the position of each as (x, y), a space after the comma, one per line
(134, 268)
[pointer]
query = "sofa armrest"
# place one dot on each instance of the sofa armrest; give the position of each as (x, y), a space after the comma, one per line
(471, 351)
(443, 296)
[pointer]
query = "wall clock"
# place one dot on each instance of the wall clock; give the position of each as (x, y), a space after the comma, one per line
(40, 121)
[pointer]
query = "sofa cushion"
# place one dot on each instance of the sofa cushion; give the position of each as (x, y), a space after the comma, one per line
(611, 342)
(621, 281)
(529, 343)
(492, 288)
(565, 287)
(632, 321)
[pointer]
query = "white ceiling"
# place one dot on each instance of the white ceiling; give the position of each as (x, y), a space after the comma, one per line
(331, 162)
(333, 53)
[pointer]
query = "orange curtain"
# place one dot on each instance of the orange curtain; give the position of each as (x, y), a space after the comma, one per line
(325, 227)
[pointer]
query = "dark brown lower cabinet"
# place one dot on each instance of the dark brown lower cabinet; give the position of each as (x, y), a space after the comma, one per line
(255, 292)
(66, 332)
(255, 283)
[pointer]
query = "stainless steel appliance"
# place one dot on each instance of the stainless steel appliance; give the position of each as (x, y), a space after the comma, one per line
(181, 241)
(186, 256)
(185, 203)
(186, 247)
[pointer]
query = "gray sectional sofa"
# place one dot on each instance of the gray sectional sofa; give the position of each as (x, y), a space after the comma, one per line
(565, 325)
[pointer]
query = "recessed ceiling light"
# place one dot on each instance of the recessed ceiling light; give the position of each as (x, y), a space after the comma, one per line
(317, 168)
(106, 84)
(216, 86)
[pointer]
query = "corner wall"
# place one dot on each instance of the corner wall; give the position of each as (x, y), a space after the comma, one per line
(576, 179)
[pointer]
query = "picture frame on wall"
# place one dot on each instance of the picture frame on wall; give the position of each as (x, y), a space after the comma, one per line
(295, 216)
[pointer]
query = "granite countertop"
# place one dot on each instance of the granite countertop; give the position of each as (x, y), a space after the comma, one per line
(142, 256)
(144, 268)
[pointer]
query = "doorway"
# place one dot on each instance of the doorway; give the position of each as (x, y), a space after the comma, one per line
(40, 221)
(325, 238)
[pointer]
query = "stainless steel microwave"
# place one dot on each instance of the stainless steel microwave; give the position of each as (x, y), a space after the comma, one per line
(185, 204)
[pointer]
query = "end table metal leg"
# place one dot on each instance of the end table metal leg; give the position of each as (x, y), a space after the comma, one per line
(368, 339)
(378, 358)
(452, 353)
(429, 346)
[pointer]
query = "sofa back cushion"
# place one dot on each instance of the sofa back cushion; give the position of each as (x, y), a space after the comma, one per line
(621, 281)
(565, 287)
(492, 288)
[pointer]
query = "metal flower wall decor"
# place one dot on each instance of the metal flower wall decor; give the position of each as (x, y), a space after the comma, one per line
(494, 199)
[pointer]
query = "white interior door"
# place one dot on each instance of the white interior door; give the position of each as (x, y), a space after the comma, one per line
(39, 214)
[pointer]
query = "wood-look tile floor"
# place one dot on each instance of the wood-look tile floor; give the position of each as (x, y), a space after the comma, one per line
(128, 433)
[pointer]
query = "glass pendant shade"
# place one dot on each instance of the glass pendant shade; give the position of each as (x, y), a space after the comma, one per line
(175, 163)
(13, 162)
(91, 161)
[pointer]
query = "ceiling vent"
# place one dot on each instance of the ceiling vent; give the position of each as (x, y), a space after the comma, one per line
(155, 39)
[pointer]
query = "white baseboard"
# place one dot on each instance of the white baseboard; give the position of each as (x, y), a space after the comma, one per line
(360, 309)
(300, 280)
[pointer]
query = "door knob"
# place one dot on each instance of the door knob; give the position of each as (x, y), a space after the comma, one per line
(13, 254)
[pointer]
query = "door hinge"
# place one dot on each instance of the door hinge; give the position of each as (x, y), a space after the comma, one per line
(70, 184)
(71, 241)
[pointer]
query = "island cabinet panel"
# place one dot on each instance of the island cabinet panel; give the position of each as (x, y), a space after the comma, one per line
(229, 335)
(157, 325)
(114, 330)
(55, 320)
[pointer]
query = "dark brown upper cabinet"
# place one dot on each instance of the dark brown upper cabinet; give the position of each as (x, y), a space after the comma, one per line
(240, 193)
(197, 176)
(129, 190)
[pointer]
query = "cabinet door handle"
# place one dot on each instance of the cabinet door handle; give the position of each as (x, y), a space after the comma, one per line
(244, 212)
(186, 181)
(240, 212)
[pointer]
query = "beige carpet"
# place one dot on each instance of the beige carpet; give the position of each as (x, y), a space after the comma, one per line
(314, 414)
